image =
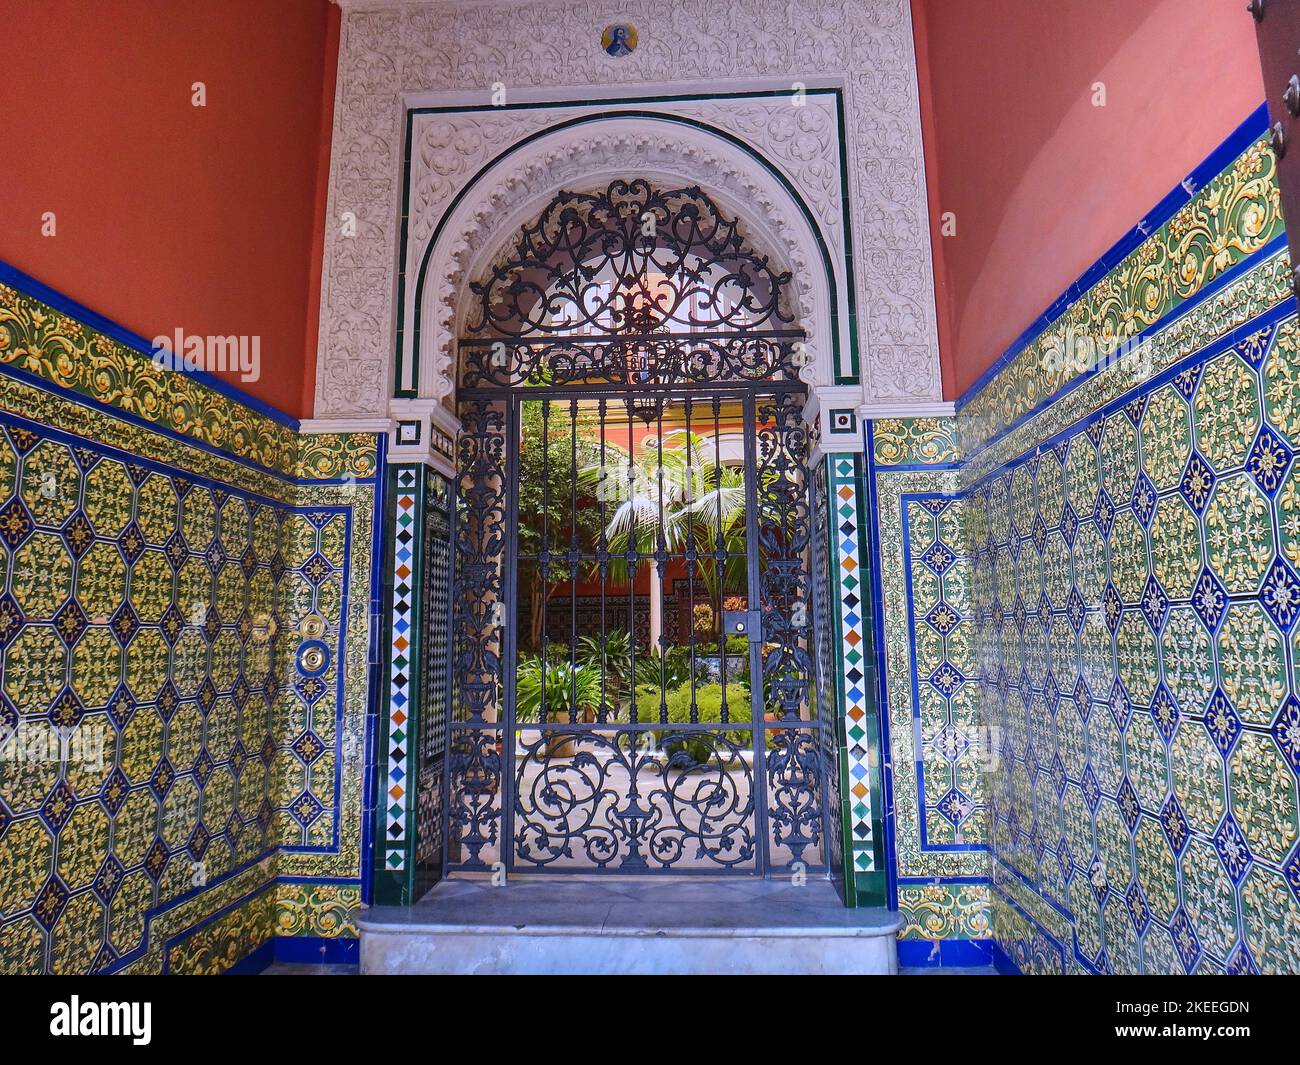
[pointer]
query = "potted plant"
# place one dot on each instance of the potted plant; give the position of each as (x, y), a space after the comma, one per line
(571, 691)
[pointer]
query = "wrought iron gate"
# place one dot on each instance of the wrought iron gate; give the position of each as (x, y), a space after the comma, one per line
(632, 606)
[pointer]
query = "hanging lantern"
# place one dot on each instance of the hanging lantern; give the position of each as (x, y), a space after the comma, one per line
(640, 364)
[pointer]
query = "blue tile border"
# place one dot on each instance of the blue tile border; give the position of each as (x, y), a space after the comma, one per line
(1254, 127)
(1264, 320)
(15, 278)
(946, 953)
(1007, 900)
(1002, 961)
(1278, 245)
(317, 950)
(254, 963)
(871, 512)
(298, 950)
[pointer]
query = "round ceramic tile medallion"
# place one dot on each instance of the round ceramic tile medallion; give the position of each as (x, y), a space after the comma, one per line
(619, 39)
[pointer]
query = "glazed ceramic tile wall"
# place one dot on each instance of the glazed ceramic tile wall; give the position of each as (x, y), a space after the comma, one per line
(935, 741)
(321, 723)
(177, 596)
(1111, 554)
(1147, 699)
(859, 762)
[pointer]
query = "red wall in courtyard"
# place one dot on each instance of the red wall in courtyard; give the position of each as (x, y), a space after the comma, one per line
(1041, 181)
(169, 215)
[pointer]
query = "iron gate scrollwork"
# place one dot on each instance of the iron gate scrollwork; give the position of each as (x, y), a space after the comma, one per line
(632, 434)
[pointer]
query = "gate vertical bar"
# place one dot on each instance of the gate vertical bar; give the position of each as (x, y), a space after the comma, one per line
(757, 702)
(510, 638)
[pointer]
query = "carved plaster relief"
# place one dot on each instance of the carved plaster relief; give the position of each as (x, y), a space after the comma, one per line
(391, 51)
(589, 155)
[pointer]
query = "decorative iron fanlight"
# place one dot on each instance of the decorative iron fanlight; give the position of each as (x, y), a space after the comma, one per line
(632, 286)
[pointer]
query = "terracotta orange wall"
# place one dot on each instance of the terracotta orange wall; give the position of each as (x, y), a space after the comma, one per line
(207, 219)
(1042, 182)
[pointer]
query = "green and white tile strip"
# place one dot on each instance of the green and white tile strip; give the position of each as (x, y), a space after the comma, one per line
(861, 791)
(398, 778)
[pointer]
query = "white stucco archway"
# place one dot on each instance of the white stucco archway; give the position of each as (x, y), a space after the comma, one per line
(417, 118)
(452, 238)
(590, 153)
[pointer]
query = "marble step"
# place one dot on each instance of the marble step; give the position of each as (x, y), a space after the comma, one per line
(571, 925)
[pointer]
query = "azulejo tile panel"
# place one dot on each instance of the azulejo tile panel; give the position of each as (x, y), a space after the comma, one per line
(915, 442)
(181, 610)
(950, 910)
(1137, 599)
(317, 910)
(218, 945)
(141, 618)
(937, 745)
(954, 747)
(41, 342)
(1119, 593)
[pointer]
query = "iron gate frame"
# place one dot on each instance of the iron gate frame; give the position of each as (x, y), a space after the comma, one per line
(751, 394)
(550, 329)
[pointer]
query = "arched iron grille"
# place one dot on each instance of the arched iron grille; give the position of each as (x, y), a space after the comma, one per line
(632, 693)
(631, 285)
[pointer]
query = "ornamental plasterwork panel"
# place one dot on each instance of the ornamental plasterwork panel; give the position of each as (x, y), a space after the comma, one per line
(448, 149)
(393, 50)
(513, 190)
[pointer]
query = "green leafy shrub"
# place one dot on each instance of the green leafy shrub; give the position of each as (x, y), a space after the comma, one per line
(615, 647)
(565, 687)
(674, 668)
(647, 704)
(737, 645)
(708, 704)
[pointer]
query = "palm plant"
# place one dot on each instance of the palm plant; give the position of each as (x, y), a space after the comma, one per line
(717, 519)
(672, 492)
(647, 489)
(610, 655)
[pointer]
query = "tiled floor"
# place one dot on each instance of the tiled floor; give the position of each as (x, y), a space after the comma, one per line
(629, 925)
(305, 969)
(595, 906)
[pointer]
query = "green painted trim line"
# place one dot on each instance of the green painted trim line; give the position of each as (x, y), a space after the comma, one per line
(403, 239)
(684, 97)
(850, 286)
